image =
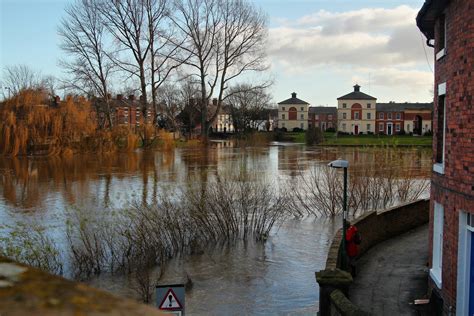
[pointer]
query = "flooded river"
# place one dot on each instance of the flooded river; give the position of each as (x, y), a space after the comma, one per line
(246, 278)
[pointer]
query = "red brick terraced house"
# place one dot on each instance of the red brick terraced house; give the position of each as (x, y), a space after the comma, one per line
(322, 117)
(449, 28)
(393, 118)
(128, 111)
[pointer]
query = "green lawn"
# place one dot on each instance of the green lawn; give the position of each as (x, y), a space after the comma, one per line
(376, 140)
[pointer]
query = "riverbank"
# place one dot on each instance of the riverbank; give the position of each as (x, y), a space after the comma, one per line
(332, 139)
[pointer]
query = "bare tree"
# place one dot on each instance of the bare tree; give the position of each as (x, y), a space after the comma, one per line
(219, 40)
(170, 105)
(83, 36)
(20, 77)
(248, 106)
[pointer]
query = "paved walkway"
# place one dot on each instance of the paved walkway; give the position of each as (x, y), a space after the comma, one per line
(393, 274)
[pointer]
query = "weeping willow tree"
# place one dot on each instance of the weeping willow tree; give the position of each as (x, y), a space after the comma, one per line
(30, 122)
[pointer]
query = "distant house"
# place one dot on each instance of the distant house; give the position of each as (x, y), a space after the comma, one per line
(293, 113)
(128, 112)
(393, 118)
(322, 117)
(356, 112)
(223, 122)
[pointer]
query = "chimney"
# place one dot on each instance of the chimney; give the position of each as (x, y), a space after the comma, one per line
(293, 95)
(109, 96)
(131, 97)
(214, 101)
(57, 99)
(119, 97)
(356, 88)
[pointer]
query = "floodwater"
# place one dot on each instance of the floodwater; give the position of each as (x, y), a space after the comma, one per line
(246, 278)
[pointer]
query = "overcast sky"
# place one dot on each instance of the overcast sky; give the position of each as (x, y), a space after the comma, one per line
(317, 48)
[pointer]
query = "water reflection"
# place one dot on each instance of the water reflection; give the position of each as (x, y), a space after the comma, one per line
(245, 279)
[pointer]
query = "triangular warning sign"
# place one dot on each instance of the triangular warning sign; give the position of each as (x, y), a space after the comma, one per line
(170, 301)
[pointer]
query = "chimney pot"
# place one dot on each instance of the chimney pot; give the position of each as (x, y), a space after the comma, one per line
(131, 97)
(119, 96)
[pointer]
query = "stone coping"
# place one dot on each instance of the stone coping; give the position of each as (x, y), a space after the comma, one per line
(26, 290)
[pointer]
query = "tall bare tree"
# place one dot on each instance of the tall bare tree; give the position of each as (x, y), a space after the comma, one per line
(219, 40)
(83, 36)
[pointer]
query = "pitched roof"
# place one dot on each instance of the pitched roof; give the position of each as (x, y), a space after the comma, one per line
(394, 107)
(356, 95)
(323, 110)
(293, 100)
(429, 12)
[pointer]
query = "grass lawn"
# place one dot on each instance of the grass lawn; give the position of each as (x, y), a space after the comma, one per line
(376, 140)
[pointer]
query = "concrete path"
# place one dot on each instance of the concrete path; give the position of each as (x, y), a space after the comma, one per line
(393, 274)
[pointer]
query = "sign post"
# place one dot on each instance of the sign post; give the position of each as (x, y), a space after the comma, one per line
(170, 298)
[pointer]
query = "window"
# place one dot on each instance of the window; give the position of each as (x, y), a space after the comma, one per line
(344, 116)
(317, 116)
(399, 116)
(330, 117)
(344, 127)
(356, 115)
(283, 108)
(283, 124)
(283, 116)
(437, 262)
(441, 45)
(344, 105)
(302, 125)
(302, 108)
(369, 105)
(369, 116)
(408, 128)
(397, 127)
(389, 116)
(302, 116)
(381, 116)
(381, 127)
(368, 127)
(440, 129)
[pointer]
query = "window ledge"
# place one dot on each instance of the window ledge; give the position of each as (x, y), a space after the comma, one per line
(438, 168)
(440, 54)
(436, 277)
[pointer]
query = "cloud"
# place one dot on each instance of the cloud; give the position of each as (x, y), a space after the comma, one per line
(365, 37)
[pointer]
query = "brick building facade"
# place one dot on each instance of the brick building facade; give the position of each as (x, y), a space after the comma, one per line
(449, 25)
(392, 118)
(322, 117)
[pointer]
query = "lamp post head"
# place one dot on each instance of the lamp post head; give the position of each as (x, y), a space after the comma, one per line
(340, 163)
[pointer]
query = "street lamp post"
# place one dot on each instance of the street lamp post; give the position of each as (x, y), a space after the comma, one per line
(344, 164)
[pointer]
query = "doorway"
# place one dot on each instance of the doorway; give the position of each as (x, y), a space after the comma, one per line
(356, 130)
(389, 128)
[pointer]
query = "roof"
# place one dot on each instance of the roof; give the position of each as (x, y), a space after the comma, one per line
(394, 107)
(323, 110)
(429, 12)
(293, 100)
(356, 95)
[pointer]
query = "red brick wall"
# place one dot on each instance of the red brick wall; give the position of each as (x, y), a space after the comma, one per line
(455, 189)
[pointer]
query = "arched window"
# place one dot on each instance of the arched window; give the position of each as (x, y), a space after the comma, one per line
(292, 114)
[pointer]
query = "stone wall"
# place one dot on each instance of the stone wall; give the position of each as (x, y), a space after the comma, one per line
(374, 228)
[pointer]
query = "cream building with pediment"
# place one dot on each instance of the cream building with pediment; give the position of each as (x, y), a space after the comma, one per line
(356, 112)
(293, 113)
